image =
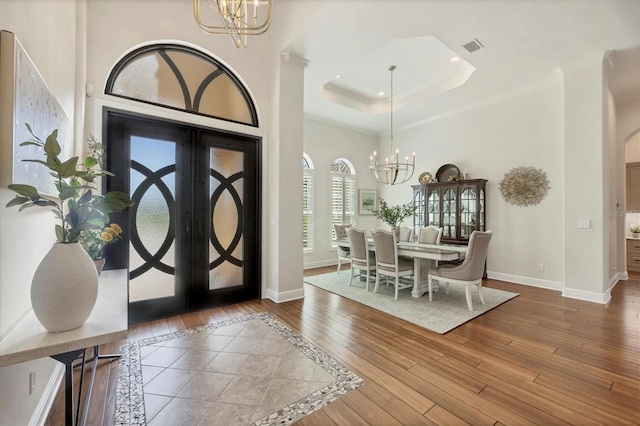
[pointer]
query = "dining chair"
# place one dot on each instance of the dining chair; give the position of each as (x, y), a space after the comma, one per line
(405, 233)
(362, 259)
(469, 272)
(344, 254)
(387, 261)
(430, 235)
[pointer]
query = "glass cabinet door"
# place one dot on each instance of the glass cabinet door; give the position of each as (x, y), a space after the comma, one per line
(419, 215)
(468, 212)
(481, 213)
(433, 207)
(449, 212)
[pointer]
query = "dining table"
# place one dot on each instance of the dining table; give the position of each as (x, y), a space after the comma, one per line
(420, 252)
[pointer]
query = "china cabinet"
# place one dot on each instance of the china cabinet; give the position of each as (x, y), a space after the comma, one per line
(459, 207)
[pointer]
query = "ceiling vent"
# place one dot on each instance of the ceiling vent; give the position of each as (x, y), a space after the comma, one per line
(473, 45)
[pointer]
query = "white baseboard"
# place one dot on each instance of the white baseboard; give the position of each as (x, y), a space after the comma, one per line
(518, 279)
(285, 296)
(48, 396)
(589, 296)
(617, 277)
(320, 264)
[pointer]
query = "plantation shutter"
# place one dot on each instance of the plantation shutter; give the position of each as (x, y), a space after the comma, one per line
(337, 202)
(349, 198)
(307, 210)
(343, 196)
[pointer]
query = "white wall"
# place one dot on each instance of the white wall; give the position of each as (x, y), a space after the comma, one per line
(324, 143)
(487, 142)
(42, 28)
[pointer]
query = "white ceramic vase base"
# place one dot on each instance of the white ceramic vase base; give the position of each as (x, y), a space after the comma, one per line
(64, 288)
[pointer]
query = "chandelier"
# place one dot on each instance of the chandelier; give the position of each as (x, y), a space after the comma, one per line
(392, 171)
(237, 18)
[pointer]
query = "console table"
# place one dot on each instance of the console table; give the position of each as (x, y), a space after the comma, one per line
(108, 322)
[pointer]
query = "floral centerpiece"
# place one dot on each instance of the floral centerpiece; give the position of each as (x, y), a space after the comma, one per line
(64, 287)
(395, 214)
(635, 230)
(95, 240)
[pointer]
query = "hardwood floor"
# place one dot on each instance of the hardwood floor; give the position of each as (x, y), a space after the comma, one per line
(537, 359)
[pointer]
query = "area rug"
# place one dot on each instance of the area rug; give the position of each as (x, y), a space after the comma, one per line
(258, 338)
(441, 315)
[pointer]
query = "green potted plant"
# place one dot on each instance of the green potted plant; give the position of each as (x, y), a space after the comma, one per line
(635, 231)
(394, 215)
(67, 270)
(95, 240)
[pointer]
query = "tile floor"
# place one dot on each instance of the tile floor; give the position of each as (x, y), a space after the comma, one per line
(235, 374)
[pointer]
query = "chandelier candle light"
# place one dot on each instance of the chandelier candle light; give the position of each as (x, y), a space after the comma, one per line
(238, 18)
(392, 172)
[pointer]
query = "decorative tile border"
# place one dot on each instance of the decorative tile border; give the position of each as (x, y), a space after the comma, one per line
(130, 396)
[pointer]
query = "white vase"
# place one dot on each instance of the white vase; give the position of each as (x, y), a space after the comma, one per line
(64, 288)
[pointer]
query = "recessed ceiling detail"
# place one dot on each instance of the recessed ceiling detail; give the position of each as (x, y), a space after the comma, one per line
(425, 69)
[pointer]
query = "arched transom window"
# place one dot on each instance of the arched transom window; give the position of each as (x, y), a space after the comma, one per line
(182, 78)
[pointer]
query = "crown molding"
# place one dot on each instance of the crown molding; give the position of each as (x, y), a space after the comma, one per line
(583, 62)
(294, 59)
(553, 78)
(328, 121)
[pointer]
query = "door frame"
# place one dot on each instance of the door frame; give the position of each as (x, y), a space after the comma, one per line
(108, 110)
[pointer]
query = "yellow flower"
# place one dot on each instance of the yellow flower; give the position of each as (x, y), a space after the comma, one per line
(110, 231)
(106, 237)
(116, 228)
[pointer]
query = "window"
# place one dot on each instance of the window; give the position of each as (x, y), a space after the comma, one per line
(307, 203)
(182, 78)
(343, 194)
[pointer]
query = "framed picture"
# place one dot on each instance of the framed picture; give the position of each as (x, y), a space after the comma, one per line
(26, 99)
(368, 201)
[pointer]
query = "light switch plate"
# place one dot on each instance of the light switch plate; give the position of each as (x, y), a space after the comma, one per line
(584, 223)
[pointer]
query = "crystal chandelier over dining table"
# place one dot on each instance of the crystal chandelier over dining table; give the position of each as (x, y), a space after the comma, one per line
(392, 171)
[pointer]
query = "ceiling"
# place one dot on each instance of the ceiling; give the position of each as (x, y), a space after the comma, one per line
(522, 43)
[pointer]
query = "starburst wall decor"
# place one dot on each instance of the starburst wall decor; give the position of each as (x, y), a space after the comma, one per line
(524, 186)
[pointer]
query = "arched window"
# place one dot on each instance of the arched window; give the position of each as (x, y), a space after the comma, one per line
(307, 203)
(343, 194)
(182, 78)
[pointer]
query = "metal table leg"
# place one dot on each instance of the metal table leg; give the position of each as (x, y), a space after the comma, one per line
(67, 359)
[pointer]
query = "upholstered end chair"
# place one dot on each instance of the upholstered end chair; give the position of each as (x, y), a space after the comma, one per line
(469, 272)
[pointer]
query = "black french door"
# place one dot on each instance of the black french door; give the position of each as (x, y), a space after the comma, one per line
(192, 239)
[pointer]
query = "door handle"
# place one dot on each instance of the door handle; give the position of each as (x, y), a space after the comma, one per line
(187, 229)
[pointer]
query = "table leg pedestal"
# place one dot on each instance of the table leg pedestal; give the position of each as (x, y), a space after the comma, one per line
(421, 287)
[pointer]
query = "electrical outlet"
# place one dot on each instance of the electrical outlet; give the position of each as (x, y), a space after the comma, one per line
(32, 382)
(540, 267)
